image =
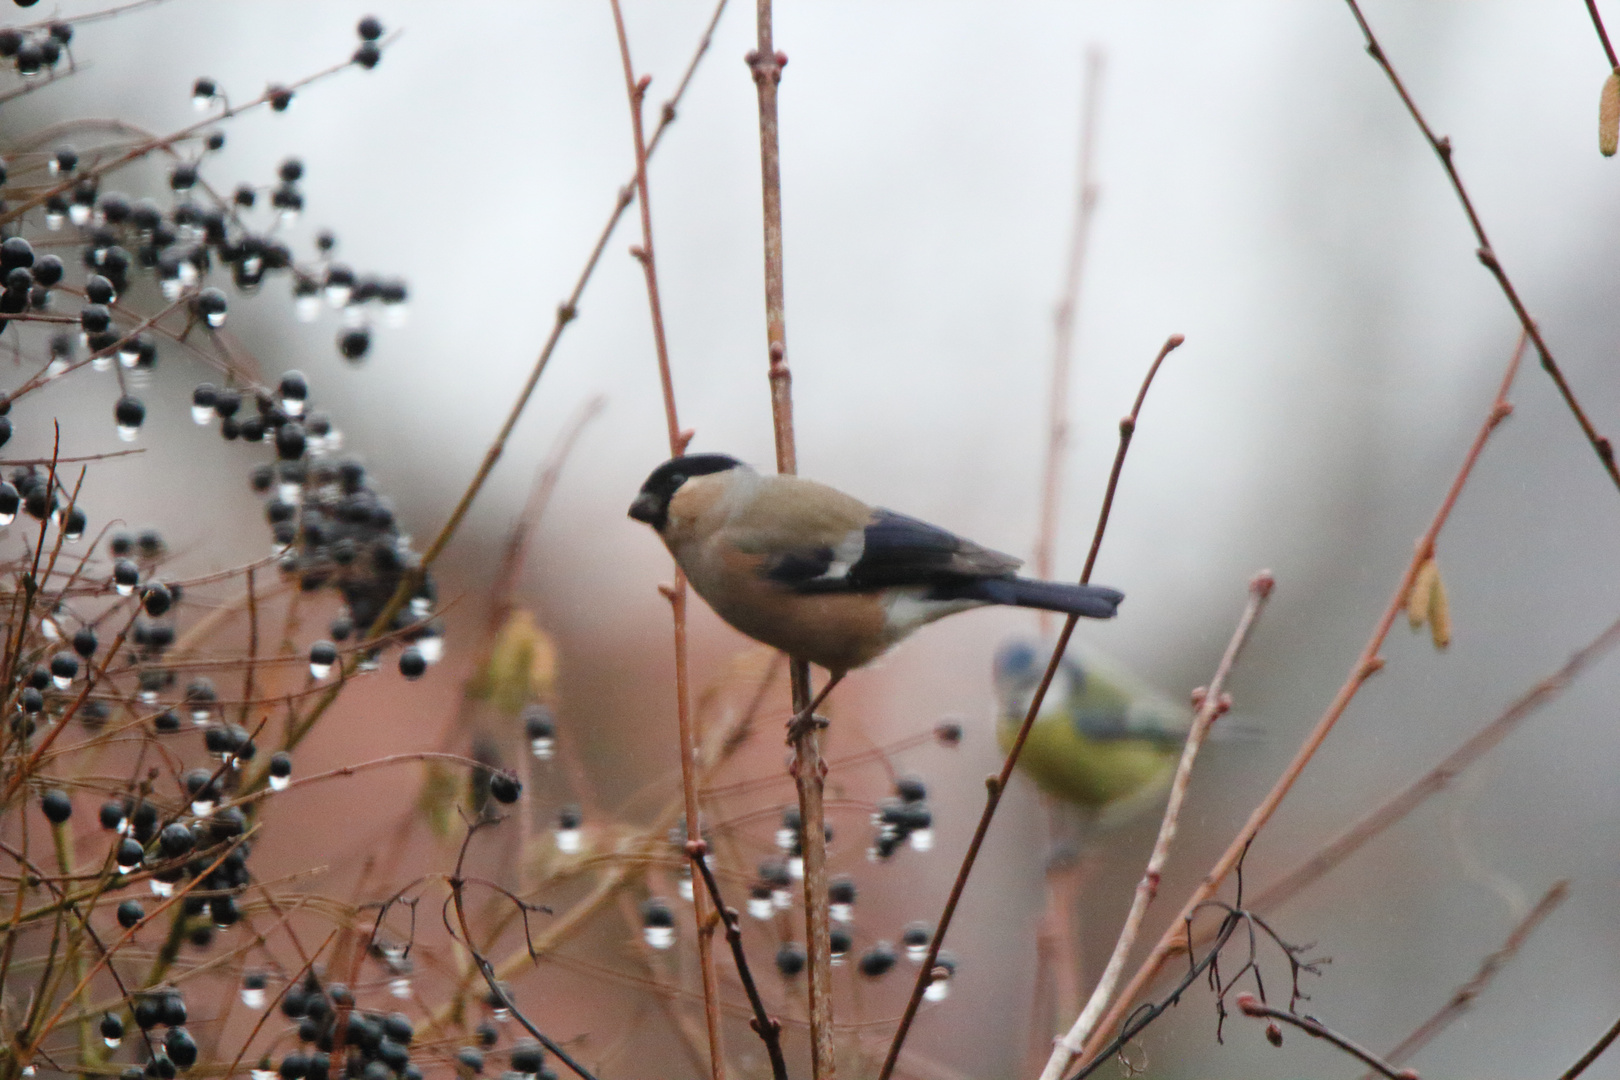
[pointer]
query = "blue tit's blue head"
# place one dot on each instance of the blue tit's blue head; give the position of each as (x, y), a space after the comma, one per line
(1019, 665)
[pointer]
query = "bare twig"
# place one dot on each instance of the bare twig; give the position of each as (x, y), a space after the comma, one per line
(1462, 999)
(764, 1024)
(1063, 317)
(1366, 665)
(1437, 778)
(1253, 1006)
(1214, 703)
(497, 991)
(1603, 35)
(636, 90)
(1591, 1054)
(997, 785)
(809, 770)
(1441, 145)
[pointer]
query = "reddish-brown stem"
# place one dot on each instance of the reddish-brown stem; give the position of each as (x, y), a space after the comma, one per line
(1462, 999)
(1213, 704)
(1603, 35)
(1063, 317)
(809, 770)
(636, 90)
(1441, 145)
(1365, 666)
(997, 784)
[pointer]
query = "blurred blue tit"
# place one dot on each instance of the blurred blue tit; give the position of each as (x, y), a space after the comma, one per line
(1104, 741)
(823, 576)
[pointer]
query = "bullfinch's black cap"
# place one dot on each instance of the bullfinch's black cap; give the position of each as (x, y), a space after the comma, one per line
(651, 505)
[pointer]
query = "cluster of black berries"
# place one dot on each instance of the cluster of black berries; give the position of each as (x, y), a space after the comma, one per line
(330, 527)
(903, 817)
(38, 50)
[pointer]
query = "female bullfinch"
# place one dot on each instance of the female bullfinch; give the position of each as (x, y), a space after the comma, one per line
(822, 576)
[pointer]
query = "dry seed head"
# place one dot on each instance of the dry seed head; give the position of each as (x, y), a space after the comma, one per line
(1417, 600)
(1609, 115)
(1439, 610)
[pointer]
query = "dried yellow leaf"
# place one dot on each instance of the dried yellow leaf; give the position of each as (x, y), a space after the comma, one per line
(1439, 611)
(521, 667)
(1417, 600)
(1609, 115)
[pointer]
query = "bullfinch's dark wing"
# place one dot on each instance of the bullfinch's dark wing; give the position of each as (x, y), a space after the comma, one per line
(889, 550)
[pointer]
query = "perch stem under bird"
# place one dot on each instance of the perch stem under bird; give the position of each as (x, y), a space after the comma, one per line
(821, 575)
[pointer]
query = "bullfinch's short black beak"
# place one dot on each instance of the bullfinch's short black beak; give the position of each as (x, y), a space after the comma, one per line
(645, 508)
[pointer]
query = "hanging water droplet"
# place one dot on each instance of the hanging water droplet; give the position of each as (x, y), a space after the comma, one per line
(79, 214)
(55, 367)
(171, 288)
(396, 315)
(338, 295)
(421, 607)
(203, 415)
(279, 783)
(400, 987)
(128, 432)
(161, 888)
(570, 841)
(264, 1074)
(917, 953)
(659, 937)
(501, 1014)
(54, 218)
(841, 912)
(782, 899)
(431, 646)
(100, 362)
(683, 885)
(938, 990)
(128, 352)
(922, 840)
(787, 839)
(253, 996)
(113, 1044)
(216, 319)
(760, 907)
(188, 274)
(796, 868)
(544, 748)
(307, 308)
(201, 808)
(319, 671)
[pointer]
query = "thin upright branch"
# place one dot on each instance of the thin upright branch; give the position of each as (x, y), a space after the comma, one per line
(764, 1024)
(1462, 999)
(636, 90)
(1213, 704)
(1366, 665)
(809, 770)
(997, 785)
(567, 310)
(1063, 318)
(1441, 145)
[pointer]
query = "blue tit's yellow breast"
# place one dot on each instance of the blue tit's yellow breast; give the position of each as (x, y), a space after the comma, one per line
(1091, 773)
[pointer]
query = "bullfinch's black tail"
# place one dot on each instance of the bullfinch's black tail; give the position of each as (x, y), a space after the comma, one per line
(1087, 601)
